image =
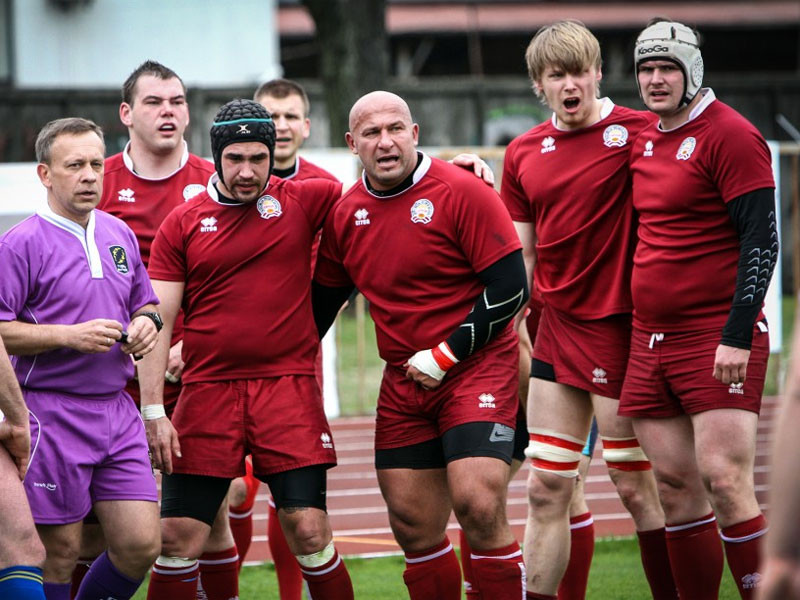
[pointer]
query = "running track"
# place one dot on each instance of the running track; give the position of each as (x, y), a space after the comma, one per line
(358, 514)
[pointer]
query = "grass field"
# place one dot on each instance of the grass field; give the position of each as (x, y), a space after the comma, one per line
(616, 575)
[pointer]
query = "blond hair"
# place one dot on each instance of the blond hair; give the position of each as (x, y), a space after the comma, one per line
(566, 45)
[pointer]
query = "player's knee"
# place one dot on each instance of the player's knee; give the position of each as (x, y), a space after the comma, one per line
(177, 540)
(726, 485)
(26, 549)
(480, 513)
(309, 531)
(136, 554)
(549, 493)
(61, 557)
(554, 453)
(237, 493)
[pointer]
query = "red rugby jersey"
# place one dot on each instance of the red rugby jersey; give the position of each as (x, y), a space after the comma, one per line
(684, 273)
(574, 186)
(308, 170)
(247, 300)
(415, 255)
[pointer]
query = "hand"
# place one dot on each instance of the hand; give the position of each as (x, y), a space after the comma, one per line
(175, 363)
(93, 337)
(477, 164)
(426, 381)
(142, 336)
(17, 440)
(423, 369)
(162, 438)
(781, 579)
(730, 364)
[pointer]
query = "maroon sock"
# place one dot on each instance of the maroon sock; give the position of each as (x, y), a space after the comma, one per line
(576, 577)
(742, 547)
(219, 574)
(330, 581)
(655, 560)
(175, 583)
(433, 574)
(80, 571)
(470, 589)
(290, 579)
(500, 572)
(695, 555)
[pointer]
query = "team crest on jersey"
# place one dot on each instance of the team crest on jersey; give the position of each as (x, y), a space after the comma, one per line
(548, 144)
(362, 217)
(615, 136)
(191, 190)
(269, 207)
(120, 258)
(648, 148)
(125, 195)
(422, 211)
(686, 149)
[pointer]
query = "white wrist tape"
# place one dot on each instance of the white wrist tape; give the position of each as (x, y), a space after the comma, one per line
(424, 362)
(151, 412)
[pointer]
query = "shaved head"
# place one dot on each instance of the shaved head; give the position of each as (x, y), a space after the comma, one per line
(376, 102)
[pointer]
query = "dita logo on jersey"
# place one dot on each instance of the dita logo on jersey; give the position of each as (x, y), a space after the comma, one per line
(208, 224)
(548, 145)
(191, 190)
(615, 136)
(686, 149)
(736, 388)
(362, 217)
(269, 207)
(486, 401)
(599, 376)
(422, 211)
(648, 148)
(120, 258)
(326, 440)
(125, 195)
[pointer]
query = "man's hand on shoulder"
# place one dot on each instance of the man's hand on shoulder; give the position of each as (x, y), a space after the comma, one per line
(480, 167)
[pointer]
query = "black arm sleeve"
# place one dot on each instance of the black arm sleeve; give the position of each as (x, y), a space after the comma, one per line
(326, 302)
(753, 215)
(506, 292)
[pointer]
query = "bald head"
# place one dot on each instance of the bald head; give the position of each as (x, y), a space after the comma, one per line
(384, 137)
(378, 101)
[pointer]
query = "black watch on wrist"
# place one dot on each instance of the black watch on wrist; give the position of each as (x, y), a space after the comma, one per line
(155, 318)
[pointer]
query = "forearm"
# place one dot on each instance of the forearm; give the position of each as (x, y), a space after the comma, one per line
(29, 338)
(12, 404)
(151, 368)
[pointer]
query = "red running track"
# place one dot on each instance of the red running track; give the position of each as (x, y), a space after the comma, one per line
(358, 513)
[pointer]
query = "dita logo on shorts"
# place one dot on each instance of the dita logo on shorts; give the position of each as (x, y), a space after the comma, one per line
(326, 440)
(751, 581)
(362, 217)
(191, 190)
(686, 149)
(501, 433)
(50, 487)
(422, 211)
(615, 136)
(269, 207)
(208, 224)
(736, 388)
(648, 148)
(548, 145)
(120, 258)
(599, 375)
(125, 195)
(486, 401)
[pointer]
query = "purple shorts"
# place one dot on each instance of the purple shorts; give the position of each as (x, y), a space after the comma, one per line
(82, 452)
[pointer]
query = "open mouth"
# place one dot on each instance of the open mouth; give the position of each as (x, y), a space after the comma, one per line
(283, 140)
(168, 127)
(387, 161)
(571, 103)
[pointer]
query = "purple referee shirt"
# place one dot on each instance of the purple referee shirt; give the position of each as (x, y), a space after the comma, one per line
(53, 271)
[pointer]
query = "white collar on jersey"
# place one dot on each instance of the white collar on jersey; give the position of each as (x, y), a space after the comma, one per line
(419, 173)
(708, 98)
(84, 236)
(212, 191)
(126, 158)
(606, 106)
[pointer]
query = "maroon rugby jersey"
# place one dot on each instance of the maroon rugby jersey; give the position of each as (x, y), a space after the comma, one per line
(304, 169)
(415, 255)
(247, 300)
(574, 186)
(684, 273)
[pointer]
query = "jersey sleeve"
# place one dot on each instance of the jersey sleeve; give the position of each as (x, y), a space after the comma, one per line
(14, 283)
(740, 161)
(317, 197)
(514, 197)
(484, 227)
(330, 271)
(168, 255)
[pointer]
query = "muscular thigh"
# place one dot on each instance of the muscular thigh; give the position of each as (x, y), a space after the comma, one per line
(725, 437)
(560, 408)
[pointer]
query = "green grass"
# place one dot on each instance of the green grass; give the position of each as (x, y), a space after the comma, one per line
(776, 369)
(616, 575)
